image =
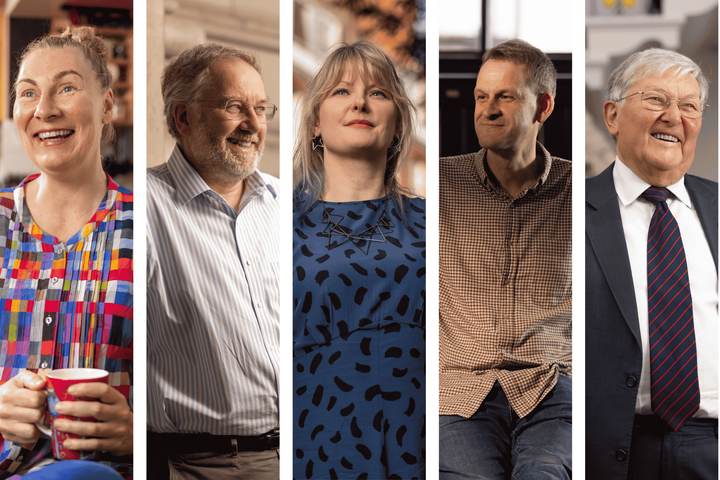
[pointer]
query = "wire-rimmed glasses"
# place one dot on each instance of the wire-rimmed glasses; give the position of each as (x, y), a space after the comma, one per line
(236, 109)
(655, 101)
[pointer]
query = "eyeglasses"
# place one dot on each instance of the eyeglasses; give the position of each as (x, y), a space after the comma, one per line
(236, 109)
(659, 101)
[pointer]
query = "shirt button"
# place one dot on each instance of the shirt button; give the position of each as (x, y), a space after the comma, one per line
(48, 320)
(55, 280)
(631, 381)
(259, 304)
(247, 263)
(620, 455)
(44, 365)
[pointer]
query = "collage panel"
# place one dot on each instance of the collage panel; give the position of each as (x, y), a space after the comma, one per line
(505, 246)
(66, 248)
(359, 229)
(651, 225)
(213, 235)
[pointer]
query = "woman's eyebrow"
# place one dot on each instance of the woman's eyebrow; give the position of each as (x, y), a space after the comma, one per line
(55, 78)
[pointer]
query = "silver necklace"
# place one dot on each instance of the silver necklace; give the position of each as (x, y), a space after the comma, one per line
(332, 221)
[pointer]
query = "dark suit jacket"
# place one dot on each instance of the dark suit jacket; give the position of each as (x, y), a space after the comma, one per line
(612, 333)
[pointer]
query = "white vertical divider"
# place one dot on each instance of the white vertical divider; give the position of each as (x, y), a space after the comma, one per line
(578, 236)
(287, 137)
(139, 243)
(432, 312)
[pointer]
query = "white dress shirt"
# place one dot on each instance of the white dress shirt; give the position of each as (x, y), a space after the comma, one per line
(213, 320)
(636, 213)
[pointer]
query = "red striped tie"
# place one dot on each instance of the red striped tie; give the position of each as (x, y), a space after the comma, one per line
(673, 357)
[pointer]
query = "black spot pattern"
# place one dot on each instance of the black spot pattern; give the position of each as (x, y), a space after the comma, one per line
(359, 345)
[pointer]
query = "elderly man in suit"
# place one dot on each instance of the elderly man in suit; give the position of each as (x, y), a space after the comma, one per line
(651, 281)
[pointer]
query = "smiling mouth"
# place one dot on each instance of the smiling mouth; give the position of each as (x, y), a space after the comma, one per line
(54, 135)
(239, 142)
(666, 138)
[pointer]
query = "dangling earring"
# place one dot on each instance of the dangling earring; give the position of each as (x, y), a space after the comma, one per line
(317, 142)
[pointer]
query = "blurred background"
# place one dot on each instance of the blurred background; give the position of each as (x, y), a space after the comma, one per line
(615, 29)
(395, 26)
(22, 21)
(467, 29)
(176, 25)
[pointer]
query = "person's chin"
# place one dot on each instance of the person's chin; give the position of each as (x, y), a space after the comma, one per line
(491, 140)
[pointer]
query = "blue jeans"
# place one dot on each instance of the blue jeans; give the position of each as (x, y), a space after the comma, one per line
(496, 444)
(74, 470)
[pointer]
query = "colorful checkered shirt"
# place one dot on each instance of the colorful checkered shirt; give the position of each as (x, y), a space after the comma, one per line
(65, 305)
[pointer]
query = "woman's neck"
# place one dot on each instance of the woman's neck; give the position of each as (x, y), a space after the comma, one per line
(351, 180)
(62, 205)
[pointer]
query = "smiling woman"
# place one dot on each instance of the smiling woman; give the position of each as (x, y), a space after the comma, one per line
(66, 251)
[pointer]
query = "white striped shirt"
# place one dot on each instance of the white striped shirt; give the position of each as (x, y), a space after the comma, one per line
(213, 304)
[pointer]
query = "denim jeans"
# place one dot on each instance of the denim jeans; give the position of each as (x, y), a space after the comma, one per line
(74, 470)
(496, 444)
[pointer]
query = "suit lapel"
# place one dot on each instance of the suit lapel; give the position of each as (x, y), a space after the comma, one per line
(705, 201)
(603, 226)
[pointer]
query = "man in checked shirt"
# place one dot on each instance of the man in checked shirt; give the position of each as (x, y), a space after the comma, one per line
(505, 283)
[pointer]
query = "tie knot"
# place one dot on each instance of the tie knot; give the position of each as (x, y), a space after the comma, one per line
(656, 194)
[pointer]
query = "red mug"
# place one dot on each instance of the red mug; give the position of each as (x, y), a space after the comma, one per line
(58, 382)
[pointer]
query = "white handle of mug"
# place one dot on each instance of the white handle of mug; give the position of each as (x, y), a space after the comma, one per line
(43, 428)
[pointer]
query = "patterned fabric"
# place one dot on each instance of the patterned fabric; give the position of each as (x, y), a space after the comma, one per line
(505, 285)
(359, 344)
(213, 318)
(65, 305)
(673, 356)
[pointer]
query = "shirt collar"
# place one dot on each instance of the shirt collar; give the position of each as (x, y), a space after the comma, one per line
(539, 150)
(629, 186)
(190, 184)
(101, 215)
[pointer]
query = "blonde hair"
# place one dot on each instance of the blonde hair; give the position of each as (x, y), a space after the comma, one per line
(368, 62)
(93, 49)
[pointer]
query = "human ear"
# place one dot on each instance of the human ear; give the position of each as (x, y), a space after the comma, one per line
(545, 107)
(180, 114)
(610, 114)
(108, 102)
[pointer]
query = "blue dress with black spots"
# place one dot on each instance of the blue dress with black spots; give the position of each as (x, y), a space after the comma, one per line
(359, 344)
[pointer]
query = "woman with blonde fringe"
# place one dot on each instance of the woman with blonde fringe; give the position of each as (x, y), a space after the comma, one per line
(359, 283)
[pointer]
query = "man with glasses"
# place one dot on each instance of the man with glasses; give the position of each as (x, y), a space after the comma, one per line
(506, 283)
(651, 281)
(212, 274)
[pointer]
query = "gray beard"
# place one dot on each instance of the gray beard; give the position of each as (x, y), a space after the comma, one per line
(217, 161)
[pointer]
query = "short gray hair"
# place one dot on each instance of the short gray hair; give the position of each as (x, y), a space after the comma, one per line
(541, 75)
(653, 62)
(184, 78)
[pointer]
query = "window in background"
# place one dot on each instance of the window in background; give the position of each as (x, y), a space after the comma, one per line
(315, 29)
(519, 19)
(462, 30)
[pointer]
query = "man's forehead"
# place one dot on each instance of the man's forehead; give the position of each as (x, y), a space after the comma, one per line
(671, 82)
(494, 68)
(233, 77)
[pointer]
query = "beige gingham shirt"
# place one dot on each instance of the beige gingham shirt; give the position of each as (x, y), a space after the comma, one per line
(505, 285)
